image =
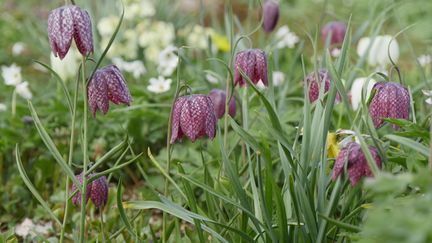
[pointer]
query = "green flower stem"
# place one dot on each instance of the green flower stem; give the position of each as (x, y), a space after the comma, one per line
(14, 103)
(84, 147)
(168, 142)
(71, 149)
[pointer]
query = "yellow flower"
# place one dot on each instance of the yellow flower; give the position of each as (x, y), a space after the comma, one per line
(332, 146)
(221, 42)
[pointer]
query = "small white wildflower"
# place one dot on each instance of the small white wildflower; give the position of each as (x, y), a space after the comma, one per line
(335, 52)
(260, 85)
(159, 85)
(278, 78)
(428, 94)
(25, 228)
(18, 48)
(357, 89)
(168, 61)
(285, 38)
(12, 74)
(424, 60)
(135, 67)
(23, 90)
(378, 52)
(211, 78)
(3, 107)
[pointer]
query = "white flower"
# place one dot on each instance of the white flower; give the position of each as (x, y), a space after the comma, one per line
(278, 78)
(23, 90)
(156, 33)
(428, 93)
(18, 48)
(378, 53)
(135, 67)
(159, 85)
(168, 61)
(137, 9)
(11, 74)
(24, 228)
(335, 52)
(68, 67)
(285, 38)
(3, 107)
(27, 227)
(198, 37)
(211, 78)
(357, 89)
(260, 85)
(107, 25)
(424, 60)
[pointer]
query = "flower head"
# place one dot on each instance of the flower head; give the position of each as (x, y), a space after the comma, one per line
(381, 47)
(253, 62)
(285, 38)
(356, 163)
(23, 90)
(270, 15)
(314, 85)
(99, 191)
(193, 116)
(337, 30)
(218, 98)
(11, 74)
(357, 90)
(159, 85)
(391, 100)
(107, 84)
(69, 22)
(76, 199)
(168, 61)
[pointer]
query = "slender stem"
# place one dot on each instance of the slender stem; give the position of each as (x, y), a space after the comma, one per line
(102, 224)
(71, 149)
(168, 144)
(14, 103)
(430, 147)
(84, 147)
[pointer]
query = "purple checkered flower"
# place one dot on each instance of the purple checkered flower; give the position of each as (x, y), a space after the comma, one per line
(391, 100)
(338, 30)
(314, 87)
(69, 22)
(107, 84)
(253, 62)
(218, 98)
(76, 199)
(99, 191)
(270, 15)
(357, 166)
(193, 116)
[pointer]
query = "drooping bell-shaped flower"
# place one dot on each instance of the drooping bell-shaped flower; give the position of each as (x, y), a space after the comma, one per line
(107, 84)
(377, 49)
(391, 100)
(67, 23)
(357, 166)
(314, 85)
(337, 30)
(270, 15)
(253, 62)
(218, 98)
(76, 199)
(193, 116)
(99, 191)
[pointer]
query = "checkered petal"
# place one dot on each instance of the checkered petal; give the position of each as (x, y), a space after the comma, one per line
(176, 132)
(60, 30)
(118, 91)
(76, 199)
(99, 191)
(82, 34)
(253, 62)
(97, 92)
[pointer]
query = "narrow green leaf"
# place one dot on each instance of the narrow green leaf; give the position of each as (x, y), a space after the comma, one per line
(410, 144)
(51, 147)
(122, 212)
(340, 224)
(108, 155)
(31, 187)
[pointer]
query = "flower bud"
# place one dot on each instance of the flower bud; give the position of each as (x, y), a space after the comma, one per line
(253, 62)
(107, 84)
(193, 116)
(314, 86)
(99, 191)
(76, 199)
(270, 15)
(69, 22)
(218, 98)
(337, 30)
(356, 163)
(391, 100)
